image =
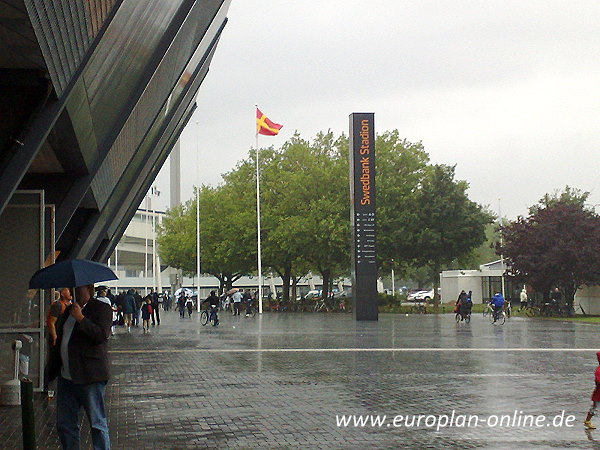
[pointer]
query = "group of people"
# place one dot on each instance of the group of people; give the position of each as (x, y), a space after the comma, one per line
(464, 302)
(129, 306)
(185, 302)
(235, 301)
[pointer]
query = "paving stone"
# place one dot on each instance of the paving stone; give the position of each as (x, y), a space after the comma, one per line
(188, 386)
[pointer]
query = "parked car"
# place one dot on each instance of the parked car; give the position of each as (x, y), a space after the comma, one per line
(415, 296)
(342, 294)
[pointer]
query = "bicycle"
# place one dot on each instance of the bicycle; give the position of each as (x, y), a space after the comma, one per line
(320, 305)
(465, 317)
(498, 317)
(209, 315)
(418, 308)
(532, 311)
(488, 310)
(508, 309)
(251, 311)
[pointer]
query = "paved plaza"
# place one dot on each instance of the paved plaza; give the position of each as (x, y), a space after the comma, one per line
(280, 380)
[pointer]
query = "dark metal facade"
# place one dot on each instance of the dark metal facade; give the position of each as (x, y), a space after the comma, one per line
(97, 93)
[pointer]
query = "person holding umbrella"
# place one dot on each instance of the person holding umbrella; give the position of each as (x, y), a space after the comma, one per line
(80, 357)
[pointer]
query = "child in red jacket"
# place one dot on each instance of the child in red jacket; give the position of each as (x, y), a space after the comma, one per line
(147, 314)
(595, 399)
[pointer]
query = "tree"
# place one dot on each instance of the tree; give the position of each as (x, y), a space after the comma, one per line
(400, 168)
(227, 235)
(306, 209)
(447, 225)
(558, 244)
(177, 238)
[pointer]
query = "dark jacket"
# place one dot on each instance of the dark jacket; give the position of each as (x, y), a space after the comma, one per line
(146, 311)
(213, 300)
(88, 346)
(128, 304)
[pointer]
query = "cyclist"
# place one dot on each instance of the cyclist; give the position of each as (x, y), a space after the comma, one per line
(465, 305)
(497, 303)
(213, 302)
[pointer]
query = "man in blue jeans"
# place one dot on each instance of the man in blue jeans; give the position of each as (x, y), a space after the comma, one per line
(80, 361)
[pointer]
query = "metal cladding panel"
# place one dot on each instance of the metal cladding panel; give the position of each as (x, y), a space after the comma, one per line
(146, 162)
(150, 166)
(65, 31)
(172, 76)
(123, 58)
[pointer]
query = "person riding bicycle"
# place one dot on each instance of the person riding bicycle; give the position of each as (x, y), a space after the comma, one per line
(497, 303)
(460, 300)
(213, 302)
(464, 307)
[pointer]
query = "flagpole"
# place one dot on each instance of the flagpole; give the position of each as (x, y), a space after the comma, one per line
(198, 303)
(260, 305)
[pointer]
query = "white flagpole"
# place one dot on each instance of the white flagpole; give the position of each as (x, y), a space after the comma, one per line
(198, 303)
(260, 305)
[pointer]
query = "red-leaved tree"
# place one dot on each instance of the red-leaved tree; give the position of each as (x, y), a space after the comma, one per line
(558, 244)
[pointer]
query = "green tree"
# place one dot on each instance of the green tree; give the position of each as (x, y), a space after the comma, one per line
(447, 224)
(400, 168)
(177, 238)
(227, 233)
(306, 209)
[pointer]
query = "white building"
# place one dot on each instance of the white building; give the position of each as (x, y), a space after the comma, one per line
(488, 280)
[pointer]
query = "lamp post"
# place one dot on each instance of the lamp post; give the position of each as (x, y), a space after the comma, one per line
(501, 254)
(393, 280)
(155, 267)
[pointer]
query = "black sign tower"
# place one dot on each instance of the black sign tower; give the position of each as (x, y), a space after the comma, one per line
(362, 210)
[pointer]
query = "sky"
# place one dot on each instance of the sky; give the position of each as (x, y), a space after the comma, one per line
(508, 91)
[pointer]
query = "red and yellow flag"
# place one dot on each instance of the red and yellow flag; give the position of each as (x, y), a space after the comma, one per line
(265, 126)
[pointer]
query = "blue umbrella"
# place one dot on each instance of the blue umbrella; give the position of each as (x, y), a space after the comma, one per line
(71, 273)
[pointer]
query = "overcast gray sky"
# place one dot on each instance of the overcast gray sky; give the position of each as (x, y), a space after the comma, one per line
(506, 90)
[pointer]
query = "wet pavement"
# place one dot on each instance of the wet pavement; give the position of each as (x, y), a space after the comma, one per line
(280, 380)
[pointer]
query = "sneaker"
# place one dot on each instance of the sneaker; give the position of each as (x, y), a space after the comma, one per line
(588, 425)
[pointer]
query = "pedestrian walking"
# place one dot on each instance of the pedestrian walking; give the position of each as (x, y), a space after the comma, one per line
(155, 307)
(119, 304)
(147, 314)
(523, 298)
(189, 303)
(237, 302)
(129, 309)
(587, 423)
(56, 310)
(80, 361)
(102, 295)
(139, 301)
(181, 305)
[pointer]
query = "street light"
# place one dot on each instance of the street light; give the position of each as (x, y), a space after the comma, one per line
(393, 280)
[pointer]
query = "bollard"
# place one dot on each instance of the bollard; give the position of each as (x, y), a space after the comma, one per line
(27, 415)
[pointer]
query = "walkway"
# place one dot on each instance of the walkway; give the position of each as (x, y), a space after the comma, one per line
(280, 380)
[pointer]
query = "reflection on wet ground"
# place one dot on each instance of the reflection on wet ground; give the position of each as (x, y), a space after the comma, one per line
(281, 380)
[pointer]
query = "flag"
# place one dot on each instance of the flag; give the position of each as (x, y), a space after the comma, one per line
(265, 126)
